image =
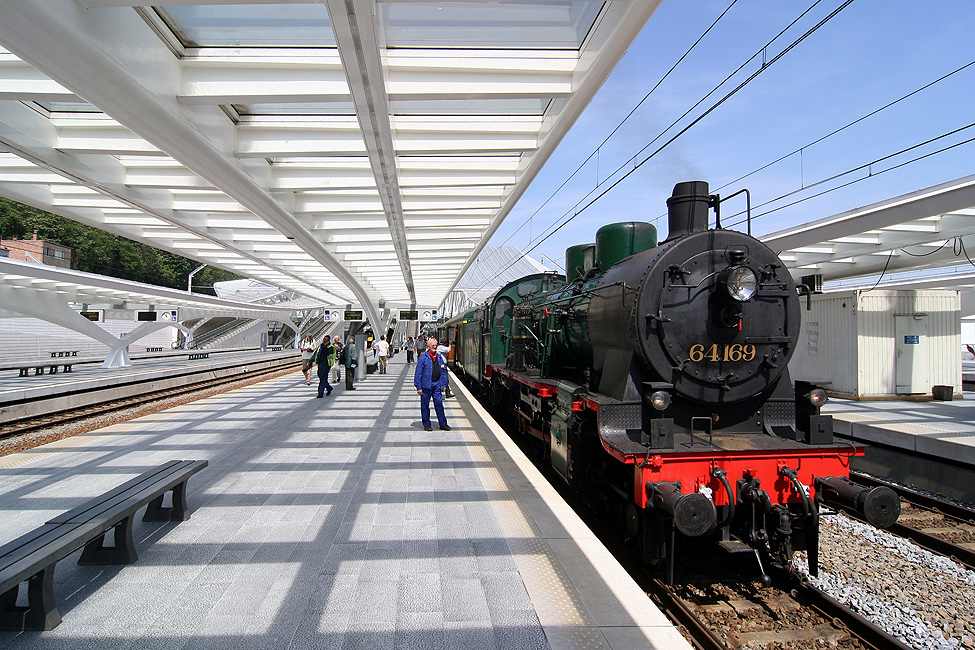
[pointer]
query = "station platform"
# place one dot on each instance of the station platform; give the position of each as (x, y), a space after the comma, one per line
(330, 523)
(936, 441)
(87, 376)
(24, 397)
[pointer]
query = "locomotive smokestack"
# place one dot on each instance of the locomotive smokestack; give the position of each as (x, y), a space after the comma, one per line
(687, 209)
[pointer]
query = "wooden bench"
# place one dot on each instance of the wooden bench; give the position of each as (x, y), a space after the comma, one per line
(32, 557)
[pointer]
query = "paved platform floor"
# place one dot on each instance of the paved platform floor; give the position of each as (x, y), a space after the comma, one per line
(330, 523)
(941, 429)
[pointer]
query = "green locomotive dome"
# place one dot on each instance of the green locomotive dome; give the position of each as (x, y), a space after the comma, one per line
(617, 241)
(579, 260)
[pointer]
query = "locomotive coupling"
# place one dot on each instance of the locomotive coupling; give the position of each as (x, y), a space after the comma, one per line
(693, 514)
(880, 506)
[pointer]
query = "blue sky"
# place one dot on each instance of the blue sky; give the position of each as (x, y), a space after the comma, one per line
(871, 53)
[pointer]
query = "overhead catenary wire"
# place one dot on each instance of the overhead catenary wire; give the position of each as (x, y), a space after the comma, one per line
(871, 173)
(567, 217)
(766, 63)
(615, 129)
(848, 125)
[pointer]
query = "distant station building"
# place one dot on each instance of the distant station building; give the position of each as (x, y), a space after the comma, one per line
(37, 251)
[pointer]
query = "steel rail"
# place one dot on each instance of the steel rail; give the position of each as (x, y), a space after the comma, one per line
(57, 418)
(832, 609)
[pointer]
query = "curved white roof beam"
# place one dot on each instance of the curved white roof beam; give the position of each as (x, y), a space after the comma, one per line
(393, 136)
(66, 43)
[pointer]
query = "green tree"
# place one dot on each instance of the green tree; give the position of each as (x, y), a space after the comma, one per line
(104, 253)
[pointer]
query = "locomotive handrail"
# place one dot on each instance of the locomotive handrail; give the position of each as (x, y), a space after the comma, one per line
(695, 286)
(748, 208)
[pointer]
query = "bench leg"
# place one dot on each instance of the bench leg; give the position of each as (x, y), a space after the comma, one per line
(41, 612)
(122, 553)
(179, 512)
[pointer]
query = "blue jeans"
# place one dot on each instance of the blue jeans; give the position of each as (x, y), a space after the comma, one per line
(437, 396)
(323, 371)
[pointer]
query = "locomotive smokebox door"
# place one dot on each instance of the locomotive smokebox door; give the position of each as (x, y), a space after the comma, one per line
(658, 431)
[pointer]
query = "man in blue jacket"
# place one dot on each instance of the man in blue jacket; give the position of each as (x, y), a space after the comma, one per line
(430, 379)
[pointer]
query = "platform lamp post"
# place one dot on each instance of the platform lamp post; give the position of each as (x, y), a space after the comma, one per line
(189, 279)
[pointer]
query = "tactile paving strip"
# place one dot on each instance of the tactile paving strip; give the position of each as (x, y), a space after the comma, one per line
(576, 638)
(513, 522)
(552, 595)
(491, 480)
(25, 457)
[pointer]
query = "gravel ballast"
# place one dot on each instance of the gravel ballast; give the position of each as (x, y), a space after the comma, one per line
(923, 599)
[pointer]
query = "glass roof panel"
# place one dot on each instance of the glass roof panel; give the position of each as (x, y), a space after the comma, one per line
(491, 25)
(272, 25)
(68, 107)
(529, 106)
(311, 108)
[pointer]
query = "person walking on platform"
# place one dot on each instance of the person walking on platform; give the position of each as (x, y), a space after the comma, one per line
(337, 366)
(430, 379)
(307, 347)
(350, 359)
(382, 349)
(410, 349)
(444, 350)
(324, 359)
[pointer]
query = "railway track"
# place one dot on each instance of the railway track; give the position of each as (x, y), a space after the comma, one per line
(715, 614)
(721, 615)
(25, 426)
(939, 526)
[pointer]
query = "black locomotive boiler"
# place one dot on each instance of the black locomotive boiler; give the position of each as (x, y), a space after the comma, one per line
(654, 378)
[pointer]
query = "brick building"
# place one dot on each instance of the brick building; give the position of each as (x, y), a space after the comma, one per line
(37, 251)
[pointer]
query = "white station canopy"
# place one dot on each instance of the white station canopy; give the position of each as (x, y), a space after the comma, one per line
(352, 151)
(915, 231)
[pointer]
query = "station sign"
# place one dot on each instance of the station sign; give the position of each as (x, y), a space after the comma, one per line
(406, 314)
(331, 316)
(146, 316)
(95, 315)
(353, 315)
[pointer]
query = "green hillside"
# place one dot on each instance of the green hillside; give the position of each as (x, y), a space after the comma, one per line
(97, 251)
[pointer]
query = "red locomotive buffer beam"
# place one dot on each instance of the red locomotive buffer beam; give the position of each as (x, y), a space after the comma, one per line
(695, 472)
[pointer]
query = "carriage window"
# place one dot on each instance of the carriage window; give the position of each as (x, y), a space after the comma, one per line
(502, 309)
(527, 288)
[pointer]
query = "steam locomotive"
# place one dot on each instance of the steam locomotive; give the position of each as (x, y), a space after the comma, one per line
(654, 379)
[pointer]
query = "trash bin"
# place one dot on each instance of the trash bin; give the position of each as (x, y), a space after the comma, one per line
(942, 393)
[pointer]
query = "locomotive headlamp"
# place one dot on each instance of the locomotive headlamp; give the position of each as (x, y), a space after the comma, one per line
(741, 282)
(660, 400)
(818, 397)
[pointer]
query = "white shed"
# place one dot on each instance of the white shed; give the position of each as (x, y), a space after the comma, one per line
(881, 343)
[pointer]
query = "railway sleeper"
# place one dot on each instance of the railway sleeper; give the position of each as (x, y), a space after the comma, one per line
(824, 632)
